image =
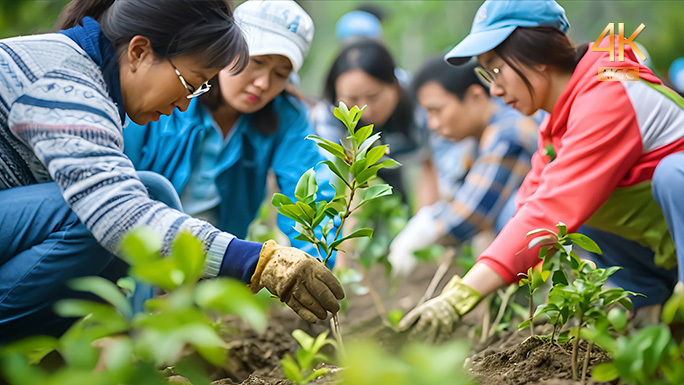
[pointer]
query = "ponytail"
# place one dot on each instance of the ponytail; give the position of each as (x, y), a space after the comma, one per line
(76, 10)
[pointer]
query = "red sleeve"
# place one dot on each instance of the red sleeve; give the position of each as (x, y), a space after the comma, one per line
(602, 141)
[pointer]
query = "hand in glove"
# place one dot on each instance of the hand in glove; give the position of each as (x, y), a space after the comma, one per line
(438, 316)
(299, 280)
(421, 231)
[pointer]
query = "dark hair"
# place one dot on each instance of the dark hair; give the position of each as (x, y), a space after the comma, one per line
(174, 27)
(454, 79)
(372, 57)
(540, 45)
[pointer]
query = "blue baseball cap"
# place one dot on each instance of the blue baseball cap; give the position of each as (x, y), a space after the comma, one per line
(358, 23)
(495, 20)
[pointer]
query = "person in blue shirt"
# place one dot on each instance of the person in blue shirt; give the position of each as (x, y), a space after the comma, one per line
(219, 152)
(68, 193)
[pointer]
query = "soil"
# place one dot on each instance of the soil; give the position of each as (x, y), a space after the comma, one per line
(510, 358)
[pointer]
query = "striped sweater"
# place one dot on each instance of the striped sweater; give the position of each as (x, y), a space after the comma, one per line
(59, 123)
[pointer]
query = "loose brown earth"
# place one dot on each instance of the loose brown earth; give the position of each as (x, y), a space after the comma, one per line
(511, 359)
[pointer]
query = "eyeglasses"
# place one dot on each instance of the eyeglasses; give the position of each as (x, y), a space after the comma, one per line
(487, 77)
(203, 89)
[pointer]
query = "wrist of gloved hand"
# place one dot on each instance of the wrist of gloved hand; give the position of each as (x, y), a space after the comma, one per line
(438, 316)
(299, 280)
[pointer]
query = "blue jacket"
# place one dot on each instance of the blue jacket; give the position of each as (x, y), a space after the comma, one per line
(171, 145)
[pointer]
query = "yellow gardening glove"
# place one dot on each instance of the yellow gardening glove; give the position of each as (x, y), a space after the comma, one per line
(299, 280)
(438, 316)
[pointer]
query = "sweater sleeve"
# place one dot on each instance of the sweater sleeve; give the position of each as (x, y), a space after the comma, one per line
(594, 153)
(75, 131)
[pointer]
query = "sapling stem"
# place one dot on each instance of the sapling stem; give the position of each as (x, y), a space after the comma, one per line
(575, 347)
(347, 212)
(585, 365)
(531, 315)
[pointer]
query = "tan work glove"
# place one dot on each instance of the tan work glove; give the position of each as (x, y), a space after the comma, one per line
(438, 316)
(299, 280)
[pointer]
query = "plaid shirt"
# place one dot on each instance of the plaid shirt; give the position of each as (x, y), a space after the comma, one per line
(497, 171)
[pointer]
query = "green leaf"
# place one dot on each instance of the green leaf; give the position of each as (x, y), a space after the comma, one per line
(104, 289)
(189, 256)
(315, 374)
(120, 354)
(562, 229)
(584, 242)
(304, 339)
(369, 142)
(127, 284)
(604, 372)
(333, 167)
(291, 369)
(542, 240)
(280, 199)
(617, 318)
(356, 234)
(331, 147)
(358, 167)
(525, 324)
(306, 186)
(537, 231)
(162, 273)
(141, 245)
(363, 133)
(309, 213)
(375, 154)
(375, 192)
(342, 113)
(230, 296)
(559, 277)
(33, 348)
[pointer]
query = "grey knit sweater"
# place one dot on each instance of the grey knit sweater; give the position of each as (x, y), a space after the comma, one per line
(58, 123)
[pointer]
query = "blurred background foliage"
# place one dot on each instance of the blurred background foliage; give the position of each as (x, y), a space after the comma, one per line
(416, 30)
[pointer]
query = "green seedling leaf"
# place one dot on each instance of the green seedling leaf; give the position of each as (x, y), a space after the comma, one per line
(584, 242)
(189, 256)
(617, 318)
(162, 273)
(544, 240)
(559, 278)
(230, 296)
(331, 147)
(127, 284)
(306, 186)
(538, 231)
(291, 369)
(375, 154)
(369, 142)
(358, 167)
(104, 289)
(376, 191)
(333, 167)
(120, 354)
(280, 199)
(33, 348)
(604, 372)
(309, 213)
(356, 234)
(342, 113)
(363, 133)
(304, 339)
(394, 316)
(141, 245)
(562, 229)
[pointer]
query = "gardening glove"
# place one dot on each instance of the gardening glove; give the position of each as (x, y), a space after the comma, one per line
(438, 316)
(421, 231)
(299, 280)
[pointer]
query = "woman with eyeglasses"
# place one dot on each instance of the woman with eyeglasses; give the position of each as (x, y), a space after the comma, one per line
(219, 152)
(68, 194)
(609, 157)
(459, 107)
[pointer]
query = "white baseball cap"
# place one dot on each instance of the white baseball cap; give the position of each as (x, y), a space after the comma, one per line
(276, 27)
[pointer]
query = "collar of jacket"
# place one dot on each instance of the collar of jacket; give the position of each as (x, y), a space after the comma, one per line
(90, 38)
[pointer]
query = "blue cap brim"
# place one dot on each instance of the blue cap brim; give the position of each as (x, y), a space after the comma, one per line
(477, 43)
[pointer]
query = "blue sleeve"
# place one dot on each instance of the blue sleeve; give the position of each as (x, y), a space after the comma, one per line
(240, 260)
(293, 157)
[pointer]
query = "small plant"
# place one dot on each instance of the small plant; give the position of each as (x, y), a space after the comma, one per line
(171, 328)
(534, 279)
(355, 163)
(302, 368)
(650, 356)
(582, 298)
